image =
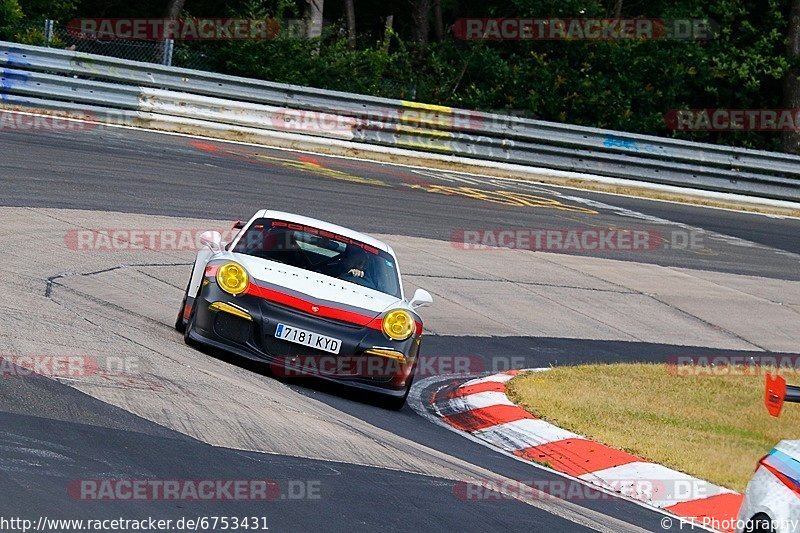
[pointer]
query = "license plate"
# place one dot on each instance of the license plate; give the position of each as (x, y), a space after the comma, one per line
(308, 338)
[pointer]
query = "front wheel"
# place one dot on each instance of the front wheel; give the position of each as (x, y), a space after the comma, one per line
(395, 403)
(188, 329)
(392, 403)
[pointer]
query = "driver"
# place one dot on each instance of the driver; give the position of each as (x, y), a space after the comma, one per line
(354, 264)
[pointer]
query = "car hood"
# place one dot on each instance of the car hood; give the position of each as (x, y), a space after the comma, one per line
(317, 288)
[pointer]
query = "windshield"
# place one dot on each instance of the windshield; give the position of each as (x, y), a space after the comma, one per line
(322, 252)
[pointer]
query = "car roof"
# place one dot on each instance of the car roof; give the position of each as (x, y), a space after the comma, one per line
(326, 226)
(790, 448)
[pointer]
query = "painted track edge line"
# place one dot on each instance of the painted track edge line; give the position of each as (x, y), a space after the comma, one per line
(419, 406)
(547, 503)
(597, 463)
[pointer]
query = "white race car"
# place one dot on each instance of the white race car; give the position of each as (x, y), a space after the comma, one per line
(772, 499)
(310, 298)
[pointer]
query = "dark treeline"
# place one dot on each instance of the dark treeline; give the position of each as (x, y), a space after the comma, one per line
(408, 49)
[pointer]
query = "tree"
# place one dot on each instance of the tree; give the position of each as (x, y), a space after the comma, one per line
(617, 9)
(350, 15)
(174, 8)
(438, 24)
(313, 18)
(420, 15)
(791, 84)
(387, 33)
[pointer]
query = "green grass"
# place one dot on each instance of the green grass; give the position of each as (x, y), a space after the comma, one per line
(712, 427)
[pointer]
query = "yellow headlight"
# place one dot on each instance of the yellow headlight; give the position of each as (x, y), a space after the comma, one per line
(232, 278)
(398, 324)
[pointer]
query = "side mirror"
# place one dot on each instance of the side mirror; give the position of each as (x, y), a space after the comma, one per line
(239, 225)
(422, 298)
(212, 239)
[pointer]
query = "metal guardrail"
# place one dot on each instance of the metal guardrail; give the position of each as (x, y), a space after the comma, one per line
(55, 79)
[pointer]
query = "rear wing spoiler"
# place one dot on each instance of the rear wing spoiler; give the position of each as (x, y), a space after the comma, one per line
(777, 392)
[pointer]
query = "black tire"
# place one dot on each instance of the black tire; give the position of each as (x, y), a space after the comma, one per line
(188, 328)
(395, 403)
(392, 403)
(180, 325)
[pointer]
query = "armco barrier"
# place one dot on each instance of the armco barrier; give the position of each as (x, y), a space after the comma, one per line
(132, 92)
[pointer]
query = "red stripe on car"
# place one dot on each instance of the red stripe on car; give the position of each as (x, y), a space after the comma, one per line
(790, 483)
(312, 308)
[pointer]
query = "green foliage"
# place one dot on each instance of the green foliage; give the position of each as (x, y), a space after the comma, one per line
(625, 85)
(61, 10)
(30, 35)
(10, 16)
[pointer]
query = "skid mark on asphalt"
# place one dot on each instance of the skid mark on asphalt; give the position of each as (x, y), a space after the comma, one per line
(303, 163)
(510, 198)
(525, 186)
(54, 280)
(149, 383)
(316, 165)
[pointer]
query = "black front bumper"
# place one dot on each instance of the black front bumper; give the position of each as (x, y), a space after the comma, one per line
(254, 339)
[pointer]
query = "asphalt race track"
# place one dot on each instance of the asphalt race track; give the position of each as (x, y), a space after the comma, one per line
(339, 462)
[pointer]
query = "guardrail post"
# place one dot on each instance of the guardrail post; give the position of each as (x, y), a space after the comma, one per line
(166, 56)
(48, 32)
